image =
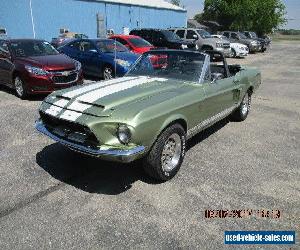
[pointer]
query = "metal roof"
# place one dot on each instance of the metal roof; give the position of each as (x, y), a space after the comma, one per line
(160, 4)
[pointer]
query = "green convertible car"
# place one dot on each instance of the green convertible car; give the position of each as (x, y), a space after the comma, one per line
(152, 111)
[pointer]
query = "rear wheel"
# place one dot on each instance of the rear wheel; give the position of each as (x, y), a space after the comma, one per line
(241, 113)
(20, 87)
(233, 53)
(166, 156)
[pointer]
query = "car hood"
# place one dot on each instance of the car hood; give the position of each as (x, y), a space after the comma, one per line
(102, 99)
(212, 40)
(247, 40)
(127, 56)
(50, 62)
(238, 45)
(180, 41)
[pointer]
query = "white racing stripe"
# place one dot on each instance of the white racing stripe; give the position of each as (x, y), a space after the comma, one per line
(57, 106)
(99, 93)
(61, 103)
(95, 95)
(70, 115)
(53, 110)
(97, 85)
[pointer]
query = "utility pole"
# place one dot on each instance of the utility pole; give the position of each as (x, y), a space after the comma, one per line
(32, 21)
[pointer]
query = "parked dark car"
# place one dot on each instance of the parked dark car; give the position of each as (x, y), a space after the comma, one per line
(264, 42)
(163, 38)
(66, 37)
(104, 58)
(33, 66)
(239, 37)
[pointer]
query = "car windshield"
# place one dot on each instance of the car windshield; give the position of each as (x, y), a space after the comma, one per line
(110, 46)
(139, 42)
(32, 48)
(253, 34)
(178, 65)
(81, 36)
(242, 36)
(169, 35)
(204, 33)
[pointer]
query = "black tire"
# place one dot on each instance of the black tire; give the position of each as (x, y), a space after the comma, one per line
(107, 72)
(155, 163)
(233, 53)
(241, 113)
(20, 87)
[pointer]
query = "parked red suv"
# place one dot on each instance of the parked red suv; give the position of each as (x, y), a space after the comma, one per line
(33, 66)
(138, 45)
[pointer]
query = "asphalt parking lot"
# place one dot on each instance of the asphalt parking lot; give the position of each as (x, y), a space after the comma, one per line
(53, 198)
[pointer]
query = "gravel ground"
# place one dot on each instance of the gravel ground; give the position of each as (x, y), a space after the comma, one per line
(53, 198)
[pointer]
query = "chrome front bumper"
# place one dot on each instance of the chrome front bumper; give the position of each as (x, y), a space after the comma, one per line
(112, 154)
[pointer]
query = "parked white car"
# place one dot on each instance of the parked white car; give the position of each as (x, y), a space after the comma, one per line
(237, 49)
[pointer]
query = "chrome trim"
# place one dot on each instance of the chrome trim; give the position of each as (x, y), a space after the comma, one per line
(94, 152)
(204, 68)
(195, 130)
(64, 73)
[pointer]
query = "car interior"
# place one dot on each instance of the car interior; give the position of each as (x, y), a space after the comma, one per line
(218, 69)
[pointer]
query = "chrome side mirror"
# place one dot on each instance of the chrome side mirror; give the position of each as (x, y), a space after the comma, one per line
(215, 77)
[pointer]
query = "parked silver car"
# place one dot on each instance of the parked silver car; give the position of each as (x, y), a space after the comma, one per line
(239, 37)
(203, 40)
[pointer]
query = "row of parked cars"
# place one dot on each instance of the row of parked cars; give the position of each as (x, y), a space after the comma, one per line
(33, 66)
(147, 115)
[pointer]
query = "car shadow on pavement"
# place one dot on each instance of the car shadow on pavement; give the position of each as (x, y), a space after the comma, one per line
(88, 173)
(97, 176)
(207, 133)
(28, 98)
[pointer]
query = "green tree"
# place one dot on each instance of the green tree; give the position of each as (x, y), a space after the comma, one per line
(261, 16)
(175, 2)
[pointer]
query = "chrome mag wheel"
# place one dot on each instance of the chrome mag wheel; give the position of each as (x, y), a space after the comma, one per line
(245, 105)
(171, 153)
(107, 73)
(19, 86)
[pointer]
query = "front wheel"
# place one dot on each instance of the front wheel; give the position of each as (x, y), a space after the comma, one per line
(20, 87)
(107, 72)
(241, 113)
(165, 158)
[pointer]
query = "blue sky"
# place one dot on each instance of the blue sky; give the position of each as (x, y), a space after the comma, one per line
(292, 7)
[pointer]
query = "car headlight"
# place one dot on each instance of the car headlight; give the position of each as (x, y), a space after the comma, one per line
(77, 65)
(254, 43)
(123, 63)
(36, 71)
(184, 46)
(124, 134)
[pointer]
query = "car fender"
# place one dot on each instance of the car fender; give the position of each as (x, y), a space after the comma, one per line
(171, 120)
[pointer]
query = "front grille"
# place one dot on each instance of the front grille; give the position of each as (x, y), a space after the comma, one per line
(69, 131)
(226, 45)
(65, 79)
